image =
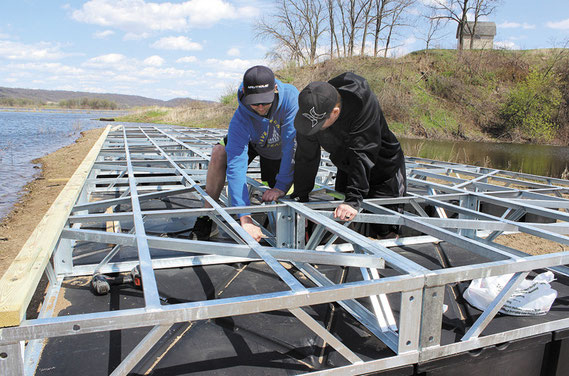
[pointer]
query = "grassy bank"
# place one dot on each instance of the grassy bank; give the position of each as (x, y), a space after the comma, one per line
(520, 96)
(214, 115)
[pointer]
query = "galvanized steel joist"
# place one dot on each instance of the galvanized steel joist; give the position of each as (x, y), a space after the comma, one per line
(141, 163)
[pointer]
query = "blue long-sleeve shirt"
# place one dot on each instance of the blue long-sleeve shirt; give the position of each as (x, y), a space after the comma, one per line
(273, 138)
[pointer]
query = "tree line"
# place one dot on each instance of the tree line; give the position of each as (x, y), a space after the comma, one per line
(81, 103)
(306, 31)
(88, 103)
(20, 102)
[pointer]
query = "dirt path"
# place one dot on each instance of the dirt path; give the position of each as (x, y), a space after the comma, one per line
(39, 194)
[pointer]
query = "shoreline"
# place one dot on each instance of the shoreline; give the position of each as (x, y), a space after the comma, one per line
(38, 195)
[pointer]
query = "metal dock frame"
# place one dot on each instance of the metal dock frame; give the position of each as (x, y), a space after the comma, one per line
(136, 163)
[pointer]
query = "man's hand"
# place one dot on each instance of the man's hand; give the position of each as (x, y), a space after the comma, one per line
(272, 194)
(252, 229)
(345, 212)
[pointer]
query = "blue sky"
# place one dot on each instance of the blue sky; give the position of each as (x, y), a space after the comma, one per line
(193, 48)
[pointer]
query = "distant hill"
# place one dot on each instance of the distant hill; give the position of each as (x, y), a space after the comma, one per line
(178, 102)
(123, 101)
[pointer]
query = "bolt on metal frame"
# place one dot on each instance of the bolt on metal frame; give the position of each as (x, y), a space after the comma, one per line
(140, 163)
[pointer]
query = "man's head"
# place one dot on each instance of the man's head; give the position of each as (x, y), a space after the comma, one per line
(259, 88)
(318, 108)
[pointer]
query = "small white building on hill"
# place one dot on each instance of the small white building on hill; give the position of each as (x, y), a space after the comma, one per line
(483, 35)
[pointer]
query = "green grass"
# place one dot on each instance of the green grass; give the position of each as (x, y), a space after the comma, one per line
(145, 116)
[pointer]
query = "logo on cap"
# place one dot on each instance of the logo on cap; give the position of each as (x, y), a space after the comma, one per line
(258, 86)
(313, 116)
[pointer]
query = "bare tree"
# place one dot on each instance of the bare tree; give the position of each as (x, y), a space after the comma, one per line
(457, 11)
(481, 8)
(380, 10)
(353, 16)
(396, 13)
(366, 6)
(283, 27)
(332, 28)
(298, 26)
(344, 25)
(429, 33)
(312, 14)
(295, 26)
(454, 10)
(352, 12)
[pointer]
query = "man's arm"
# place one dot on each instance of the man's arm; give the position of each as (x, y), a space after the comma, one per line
(237, 158)
(236, 148)
(306, 162)
(363, 147)
(252, 229)
(285, 176)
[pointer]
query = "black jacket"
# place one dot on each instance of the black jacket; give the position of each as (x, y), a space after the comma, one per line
(360, 144)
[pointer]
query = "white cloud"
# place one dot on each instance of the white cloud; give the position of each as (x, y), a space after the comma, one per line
(172, 93)
(433, 2)
(233, 52)
(136, 36)
(516, 25)
(126, 78)
(225, 75)
(187, 59)
(115, 73)
(20, 51)
(505, 45)
(403, 49)
(155, 61)
(103, 34)
(120, 68)
(212, 85)
(16, 73)
(233, 65)
(105, 60)
(159, 73)
(561, 25)
(226, 87)
(415, 11)
(261, 47)
(177, 43)
(138, 16)
(50, 68)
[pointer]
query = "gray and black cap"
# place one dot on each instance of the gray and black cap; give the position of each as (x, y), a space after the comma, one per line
(258, 85)
(315, 103)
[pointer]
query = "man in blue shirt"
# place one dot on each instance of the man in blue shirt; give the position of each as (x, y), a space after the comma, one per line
(263, 125)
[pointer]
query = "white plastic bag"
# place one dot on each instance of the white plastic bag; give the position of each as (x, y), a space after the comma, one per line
(531, 298)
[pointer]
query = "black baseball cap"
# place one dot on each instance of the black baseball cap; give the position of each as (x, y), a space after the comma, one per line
(258, 85)
(315, 103)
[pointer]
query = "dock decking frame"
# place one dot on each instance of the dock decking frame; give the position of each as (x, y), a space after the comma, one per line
(172, 160)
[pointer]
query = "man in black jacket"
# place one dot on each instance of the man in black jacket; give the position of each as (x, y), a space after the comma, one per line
(343, 116)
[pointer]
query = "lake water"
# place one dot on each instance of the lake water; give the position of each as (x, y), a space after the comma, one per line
(543, 160)
(25, 136)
